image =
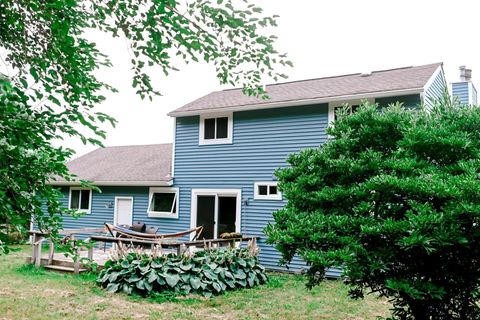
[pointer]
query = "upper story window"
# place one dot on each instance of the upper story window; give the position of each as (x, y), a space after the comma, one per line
(350, 110)
(80, 199)
(352, 105)
(267, 191)
(216, 129)
(163, 203)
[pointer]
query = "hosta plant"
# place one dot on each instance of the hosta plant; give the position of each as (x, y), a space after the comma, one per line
(205, 272)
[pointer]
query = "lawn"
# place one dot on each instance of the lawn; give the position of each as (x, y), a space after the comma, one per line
(28, 293)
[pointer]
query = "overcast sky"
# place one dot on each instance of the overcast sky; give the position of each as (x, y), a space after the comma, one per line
(322, 38)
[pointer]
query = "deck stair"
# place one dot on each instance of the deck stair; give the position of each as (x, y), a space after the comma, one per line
(63, 268)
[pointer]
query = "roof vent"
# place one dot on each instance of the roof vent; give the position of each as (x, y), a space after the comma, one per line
(366, 74)
(465, 74)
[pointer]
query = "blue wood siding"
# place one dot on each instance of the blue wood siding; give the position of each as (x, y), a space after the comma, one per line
(435, 90)
(460, 92)
(262, 140)
(103, 210)
(409, 101)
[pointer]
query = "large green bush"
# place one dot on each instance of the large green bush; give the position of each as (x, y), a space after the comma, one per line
(205, 272)
(393, 198)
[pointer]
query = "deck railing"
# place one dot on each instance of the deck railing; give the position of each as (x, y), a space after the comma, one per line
(39, 238)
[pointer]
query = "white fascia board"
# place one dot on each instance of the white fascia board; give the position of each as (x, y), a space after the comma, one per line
(116, 183)
(293, 103)
(434, 76)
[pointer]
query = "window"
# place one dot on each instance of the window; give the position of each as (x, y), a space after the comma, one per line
(216, 129)
(80, 199)
(353, 105)
(350, 110)
(163, 203)
(267, 191)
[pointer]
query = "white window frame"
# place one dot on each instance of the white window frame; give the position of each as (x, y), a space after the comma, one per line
(227, 140)
(268, 184)
(217, 193)
(89, 210)
(333, 105)
(163, 214)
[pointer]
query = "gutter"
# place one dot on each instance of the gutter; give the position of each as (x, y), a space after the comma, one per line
(301, 102)
(116, 183)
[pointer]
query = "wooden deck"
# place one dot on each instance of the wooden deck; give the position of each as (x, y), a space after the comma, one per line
(99, 252)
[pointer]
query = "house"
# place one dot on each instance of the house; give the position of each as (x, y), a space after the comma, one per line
(219, 171)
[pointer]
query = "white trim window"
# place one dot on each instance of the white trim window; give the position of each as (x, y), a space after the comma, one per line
(163, 203)
(267, 191)
(80, 199)
(333, 107)
(216, 129)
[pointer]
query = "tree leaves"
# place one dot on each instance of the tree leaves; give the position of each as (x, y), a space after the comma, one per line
(390, 200)
(52, 89)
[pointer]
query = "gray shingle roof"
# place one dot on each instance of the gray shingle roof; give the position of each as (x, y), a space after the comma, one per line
(125, 164)
(408, 78)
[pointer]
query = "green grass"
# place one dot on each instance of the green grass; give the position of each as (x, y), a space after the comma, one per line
(29, 293)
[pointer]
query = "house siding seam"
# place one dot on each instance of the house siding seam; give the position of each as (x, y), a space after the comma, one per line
(435, 91)
(262, 141)
(460, 91)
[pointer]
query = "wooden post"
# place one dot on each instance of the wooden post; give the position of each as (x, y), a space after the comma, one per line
(90, 252)
(76, 265)
(181, 249)
(34, 249)
(51, 252)
(38, 253)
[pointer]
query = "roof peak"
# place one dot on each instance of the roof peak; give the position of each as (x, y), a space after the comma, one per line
(135, 145)
(404, 80)
(342, 75)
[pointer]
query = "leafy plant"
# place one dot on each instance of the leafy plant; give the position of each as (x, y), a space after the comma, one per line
(207, 272)
(393, 199)
(49, 88)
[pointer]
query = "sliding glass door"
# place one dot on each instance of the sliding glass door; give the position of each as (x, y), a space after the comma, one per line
(218, 211)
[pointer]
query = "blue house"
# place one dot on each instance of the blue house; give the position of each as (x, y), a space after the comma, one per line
(219, 171)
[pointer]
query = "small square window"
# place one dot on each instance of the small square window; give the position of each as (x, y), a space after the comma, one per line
(216, 130)
(351, 109)
(267, 191)
(263, 190)
(80, 199)
(272, 190)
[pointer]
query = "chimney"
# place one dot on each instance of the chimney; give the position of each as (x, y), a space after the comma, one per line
(465, 74)
(464, 90)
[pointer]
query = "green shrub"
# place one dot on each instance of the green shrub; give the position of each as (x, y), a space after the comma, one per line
(394, 199)
(205, 272)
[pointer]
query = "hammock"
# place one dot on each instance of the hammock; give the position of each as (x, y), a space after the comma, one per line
(148, 236)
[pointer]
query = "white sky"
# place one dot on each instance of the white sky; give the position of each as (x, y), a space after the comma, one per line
(322, 38)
